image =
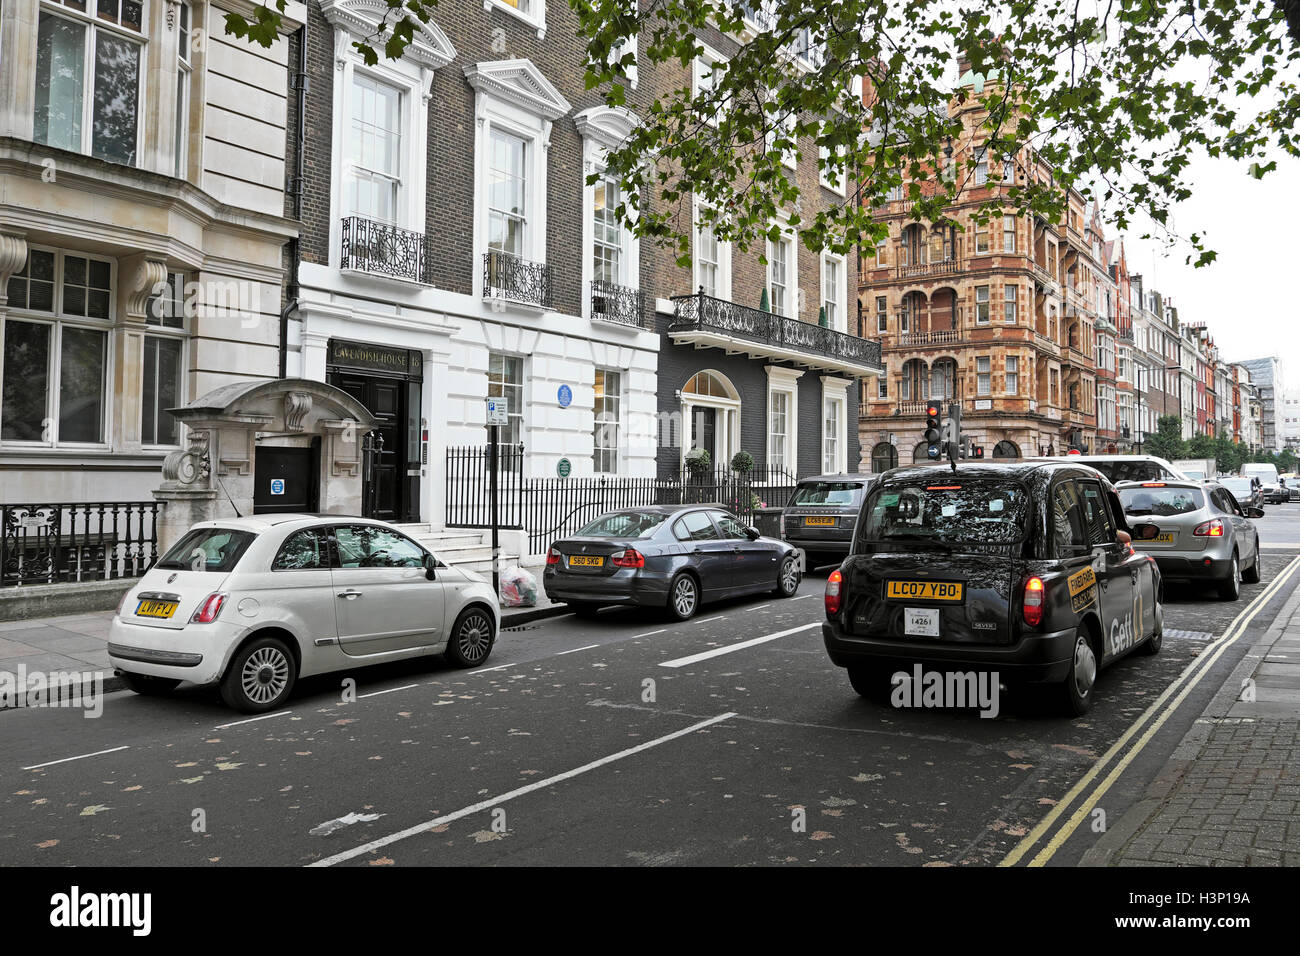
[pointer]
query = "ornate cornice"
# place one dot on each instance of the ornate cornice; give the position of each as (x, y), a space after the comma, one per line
(13, 256)
(429, 46)
(608, 126)
(141, 277)
(519, 82)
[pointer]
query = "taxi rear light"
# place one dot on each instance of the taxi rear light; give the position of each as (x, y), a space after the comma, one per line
(832, 598)
(1209, 529)
(943, 487)
(552, 556)
(209, 609)
(631, 558)
(1153, 484)
(1032, 604)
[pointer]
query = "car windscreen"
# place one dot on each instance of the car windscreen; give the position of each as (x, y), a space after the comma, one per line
(1118, 471)
(1161, 502)
(207, 549)
(1240, 487)
(624, 524)
(828, 494)
(947, 512)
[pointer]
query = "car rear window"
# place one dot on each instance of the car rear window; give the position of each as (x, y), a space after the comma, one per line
(830, 494)
(1118, 471)
(207, 549)
(625, 524)
(1161, 502)
(943, 513)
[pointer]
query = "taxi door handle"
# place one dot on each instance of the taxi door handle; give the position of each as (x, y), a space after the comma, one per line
(349, 594)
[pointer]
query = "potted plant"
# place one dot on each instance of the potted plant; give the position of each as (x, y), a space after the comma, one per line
(763, 305)
(742, 462)
(698, 462)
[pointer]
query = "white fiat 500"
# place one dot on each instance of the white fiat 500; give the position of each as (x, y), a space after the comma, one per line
(252, 604)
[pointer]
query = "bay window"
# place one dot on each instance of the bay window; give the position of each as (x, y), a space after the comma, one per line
(56, 350)
(88, 77)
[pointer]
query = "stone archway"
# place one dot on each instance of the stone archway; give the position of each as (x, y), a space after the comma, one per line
(231, 429)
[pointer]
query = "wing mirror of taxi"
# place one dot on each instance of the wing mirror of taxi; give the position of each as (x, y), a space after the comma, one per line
(753, 533)
(1254, 512)
(430, 565)
(1145, 532)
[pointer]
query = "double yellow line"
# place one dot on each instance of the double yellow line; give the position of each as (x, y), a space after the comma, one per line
(1161, 709)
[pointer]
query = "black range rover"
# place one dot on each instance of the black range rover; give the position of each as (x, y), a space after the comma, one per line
(820, 517)
(1019, 569)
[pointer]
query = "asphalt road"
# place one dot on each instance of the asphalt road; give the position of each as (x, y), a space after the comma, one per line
(594, 742)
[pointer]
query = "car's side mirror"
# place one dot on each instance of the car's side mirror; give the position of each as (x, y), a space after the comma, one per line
(1145, 532)
(1254, 512)
(430, 564)
(753, 533)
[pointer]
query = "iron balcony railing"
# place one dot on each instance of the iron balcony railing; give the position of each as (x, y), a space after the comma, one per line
(380, 248)
(516, 280)
(704, 313)
(617, 303)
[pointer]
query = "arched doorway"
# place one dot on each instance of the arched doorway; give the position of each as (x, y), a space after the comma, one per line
(921, 454)
(711, 417)
(883, 457)
(915, 383)
(1006, 449)
(943, 380)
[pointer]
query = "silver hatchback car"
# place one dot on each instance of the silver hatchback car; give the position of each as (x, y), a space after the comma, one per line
(1195, 530)
(252, 604)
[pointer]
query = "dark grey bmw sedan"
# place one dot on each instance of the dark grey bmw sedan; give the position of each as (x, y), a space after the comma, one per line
(674, 557)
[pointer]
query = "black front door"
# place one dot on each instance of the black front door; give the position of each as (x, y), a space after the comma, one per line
(704, 423)
(383, 494)
(287, 480)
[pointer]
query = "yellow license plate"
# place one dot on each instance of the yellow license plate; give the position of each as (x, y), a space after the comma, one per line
(585, 561)
(820, 522)
(1165, 538)
(923, 590)
(155, 609)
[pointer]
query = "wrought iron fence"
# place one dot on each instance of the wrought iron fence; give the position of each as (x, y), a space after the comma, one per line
(617, 303)
(708, 314)
(55, 543)
(517, 280)
(384, 249)
(549, 508)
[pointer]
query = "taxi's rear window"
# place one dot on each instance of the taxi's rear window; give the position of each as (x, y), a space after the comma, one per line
(1118, 471)
(1161, 502)
(942, 513)
(829, 494)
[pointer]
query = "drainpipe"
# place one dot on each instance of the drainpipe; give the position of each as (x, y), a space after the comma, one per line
(295, 189)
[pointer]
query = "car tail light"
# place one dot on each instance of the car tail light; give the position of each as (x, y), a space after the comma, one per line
(631, 558)
(833, 593)
(122, 603)
(552, 556)
(209, 609)
(1033, 601)
(1210, 529)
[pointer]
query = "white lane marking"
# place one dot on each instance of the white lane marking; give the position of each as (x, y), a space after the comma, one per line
(719, 651)
(648, 634)
(482, 670)
(519, 792)
(802, 596)
(710, 620)
(759, 608)
(338, 823)
(376, 693)
(576, 649)
(97, 753)
(236, 723)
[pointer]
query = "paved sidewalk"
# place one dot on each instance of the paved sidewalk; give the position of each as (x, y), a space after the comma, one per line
(1230, 794)
(77, 643)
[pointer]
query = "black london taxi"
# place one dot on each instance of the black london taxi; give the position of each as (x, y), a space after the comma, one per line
(820, 517)
(1024, 569)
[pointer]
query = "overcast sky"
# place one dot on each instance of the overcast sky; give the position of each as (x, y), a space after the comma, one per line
(1244, 296)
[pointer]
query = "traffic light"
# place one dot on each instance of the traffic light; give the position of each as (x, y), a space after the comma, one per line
(933, 431)
(977, 451)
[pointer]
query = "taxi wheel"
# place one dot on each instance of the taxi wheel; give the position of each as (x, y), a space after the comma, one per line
(1151, 646)
(260, 677)
(1230, 588)
(1078, 684)
(471, 638)
(872, 681)
(787, 584)
(1256, 570)
(683, 597)
(149, 686)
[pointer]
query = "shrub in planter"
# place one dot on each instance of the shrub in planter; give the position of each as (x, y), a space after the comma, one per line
(698, 462)
(742, 461)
